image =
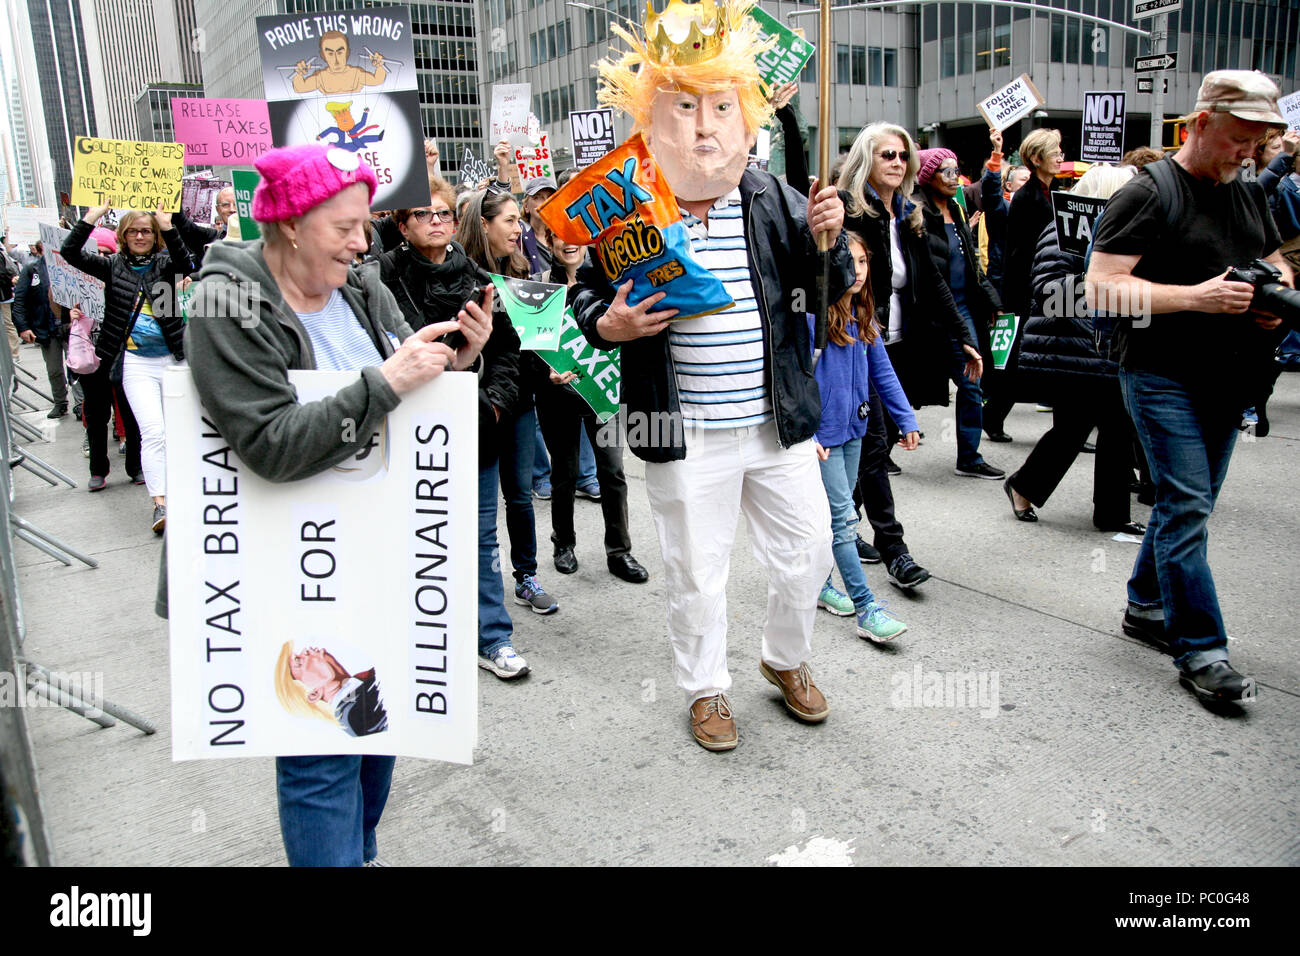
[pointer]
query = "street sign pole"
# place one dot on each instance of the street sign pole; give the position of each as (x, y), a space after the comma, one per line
(1159, 32)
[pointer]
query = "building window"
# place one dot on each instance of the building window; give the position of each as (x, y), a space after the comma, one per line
(882, 66)
(850, 64)
(809, 74)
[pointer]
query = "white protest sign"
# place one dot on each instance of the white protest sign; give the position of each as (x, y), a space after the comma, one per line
(1103, 127)
(71, 286)
(535, 161)
(509, 117)
(1290, 107)
(23, 223)
(1011, 104)
(592, 133)
(365, 573)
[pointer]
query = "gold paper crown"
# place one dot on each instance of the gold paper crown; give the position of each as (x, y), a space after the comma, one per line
(686, 33)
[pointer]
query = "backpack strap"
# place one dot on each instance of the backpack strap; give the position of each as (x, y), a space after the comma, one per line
(1168, 190)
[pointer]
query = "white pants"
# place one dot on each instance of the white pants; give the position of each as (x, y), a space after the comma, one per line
(695, 503)
(142, 382)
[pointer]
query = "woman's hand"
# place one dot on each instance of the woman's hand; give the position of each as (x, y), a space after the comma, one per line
(911, 441)
(995, 137)
(562, 378)
(420, 358)
(503, 156)
(822, 453)
(783, 94)
(94, 214)
(430, 153)
(475, 322)
(163, 218)
(974, 364)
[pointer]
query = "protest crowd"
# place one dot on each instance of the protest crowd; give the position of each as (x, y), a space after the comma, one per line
(946, 281)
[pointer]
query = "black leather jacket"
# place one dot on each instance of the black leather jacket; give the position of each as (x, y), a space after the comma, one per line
(783, 268)
(981, 298)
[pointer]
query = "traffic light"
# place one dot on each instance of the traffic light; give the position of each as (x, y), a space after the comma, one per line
(1175, 134)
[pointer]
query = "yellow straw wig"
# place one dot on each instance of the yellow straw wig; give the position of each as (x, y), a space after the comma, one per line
(631, 82)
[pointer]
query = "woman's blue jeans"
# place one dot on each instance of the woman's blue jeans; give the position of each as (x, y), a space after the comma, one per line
(839, 475)
(495, 628)
(518, 455)
(330, 806)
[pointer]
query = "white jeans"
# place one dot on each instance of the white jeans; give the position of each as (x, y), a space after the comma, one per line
(695, 503)
(142, 382)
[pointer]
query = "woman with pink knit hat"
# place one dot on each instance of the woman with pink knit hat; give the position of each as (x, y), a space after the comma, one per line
(956, 258)
(313, 310)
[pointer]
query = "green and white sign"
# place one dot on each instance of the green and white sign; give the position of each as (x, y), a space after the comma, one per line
(1002, 337)
(599, 373)
(536, 310)
(244, 182)
(786, 60)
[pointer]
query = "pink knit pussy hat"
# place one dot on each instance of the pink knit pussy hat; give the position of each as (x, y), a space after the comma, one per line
(931, 160)
(296, 179)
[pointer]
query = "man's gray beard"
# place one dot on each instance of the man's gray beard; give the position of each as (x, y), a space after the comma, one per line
(1229, 175)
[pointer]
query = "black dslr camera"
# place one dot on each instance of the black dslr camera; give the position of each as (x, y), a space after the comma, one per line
(1271, 295)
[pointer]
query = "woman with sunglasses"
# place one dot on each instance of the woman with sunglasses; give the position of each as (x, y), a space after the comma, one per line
(953, 250)
(915, 311)
(142, 327)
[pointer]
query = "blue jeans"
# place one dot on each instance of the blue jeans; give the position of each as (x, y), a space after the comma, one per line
(970, 403)
(1188, 440)
(330, 806)
(541, 461)
(518, 453)
(839, 475)
(494, 625)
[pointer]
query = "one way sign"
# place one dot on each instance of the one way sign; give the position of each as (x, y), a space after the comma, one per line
(1155, 64)
(1146, 84)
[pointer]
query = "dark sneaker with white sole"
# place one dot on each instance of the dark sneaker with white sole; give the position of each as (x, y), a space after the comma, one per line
(982, 470)
(866, 553)
(159, 518)
(1219, 682)
(906, 573)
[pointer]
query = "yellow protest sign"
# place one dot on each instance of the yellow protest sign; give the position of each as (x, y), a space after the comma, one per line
(126, 174)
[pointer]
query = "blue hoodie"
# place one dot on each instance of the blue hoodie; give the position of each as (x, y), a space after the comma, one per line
(846, 374)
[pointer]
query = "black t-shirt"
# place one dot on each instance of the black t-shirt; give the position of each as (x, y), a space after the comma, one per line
(1221, 225)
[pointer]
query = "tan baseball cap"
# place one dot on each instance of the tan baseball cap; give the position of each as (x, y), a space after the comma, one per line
(1246, 94)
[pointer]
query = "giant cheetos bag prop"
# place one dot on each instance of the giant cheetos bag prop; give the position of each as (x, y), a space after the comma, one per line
(622, 204)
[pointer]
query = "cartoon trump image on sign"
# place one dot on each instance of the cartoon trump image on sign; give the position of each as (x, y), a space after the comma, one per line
(311, 683)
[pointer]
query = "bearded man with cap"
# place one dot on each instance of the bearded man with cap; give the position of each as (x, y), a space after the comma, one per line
(1190, 347)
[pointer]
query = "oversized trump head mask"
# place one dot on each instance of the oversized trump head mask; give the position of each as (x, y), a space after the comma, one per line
(692, 86)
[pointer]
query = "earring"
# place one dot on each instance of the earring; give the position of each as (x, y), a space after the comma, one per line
(294, 243)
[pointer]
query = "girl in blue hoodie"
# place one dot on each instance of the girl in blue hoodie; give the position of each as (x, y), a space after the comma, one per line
(852, 366)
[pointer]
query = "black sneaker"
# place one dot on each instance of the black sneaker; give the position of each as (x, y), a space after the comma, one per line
(1218, 682)
(982, 470)
(906, 573)
(891, 468)
(1153, 632)
(999, 436)
(58, 411)
(866, 553)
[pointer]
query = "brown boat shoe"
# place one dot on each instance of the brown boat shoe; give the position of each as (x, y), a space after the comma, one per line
(802, 698)
(712, 724)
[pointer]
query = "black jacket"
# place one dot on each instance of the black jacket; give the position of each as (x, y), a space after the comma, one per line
(981, 298)
(783, 268)
(196, 235)
(995, 209)
(1031, 210)
(931, 322)
(123, 286)
(1058, 353)
(32, 311)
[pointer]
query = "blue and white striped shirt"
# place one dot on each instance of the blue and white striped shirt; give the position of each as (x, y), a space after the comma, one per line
(719, 358)
(339, 340)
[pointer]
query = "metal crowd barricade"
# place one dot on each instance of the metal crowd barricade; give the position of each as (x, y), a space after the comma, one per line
(15, 454)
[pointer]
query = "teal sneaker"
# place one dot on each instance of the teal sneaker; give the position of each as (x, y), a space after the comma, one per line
(878, 625)
(835, 601)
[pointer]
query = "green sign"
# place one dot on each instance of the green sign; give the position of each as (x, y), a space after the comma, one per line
(599, 373)
(786, 60)
(1001, 338)
(536, 310)
(245, 181)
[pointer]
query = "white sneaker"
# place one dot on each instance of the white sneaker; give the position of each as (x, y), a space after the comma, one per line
(505, 663)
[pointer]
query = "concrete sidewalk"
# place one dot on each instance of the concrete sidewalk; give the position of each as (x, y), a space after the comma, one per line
(1090, 754)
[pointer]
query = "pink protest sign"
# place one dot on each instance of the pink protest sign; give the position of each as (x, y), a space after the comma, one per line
(221, 132)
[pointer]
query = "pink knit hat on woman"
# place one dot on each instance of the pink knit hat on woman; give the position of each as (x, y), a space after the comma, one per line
(931, 160)
(296, 179)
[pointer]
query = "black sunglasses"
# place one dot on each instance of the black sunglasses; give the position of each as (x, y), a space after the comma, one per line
(889, 155)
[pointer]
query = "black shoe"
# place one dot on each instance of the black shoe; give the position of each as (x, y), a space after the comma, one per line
(76, 410)
(1089, 448)
(906, 573)
(1022, 514)
(999, 436)
(891, 468)
(866, 553)
(1217, 682)
(1135, 528)
(566, 562)
(58, 411)
(627, 568)
(1153, 632)
(982, 470)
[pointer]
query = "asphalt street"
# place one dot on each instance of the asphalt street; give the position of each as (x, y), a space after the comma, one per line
(1078, 748)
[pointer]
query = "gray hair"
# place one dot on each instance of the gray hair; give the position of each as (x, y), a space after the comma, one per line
(1102, 182)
